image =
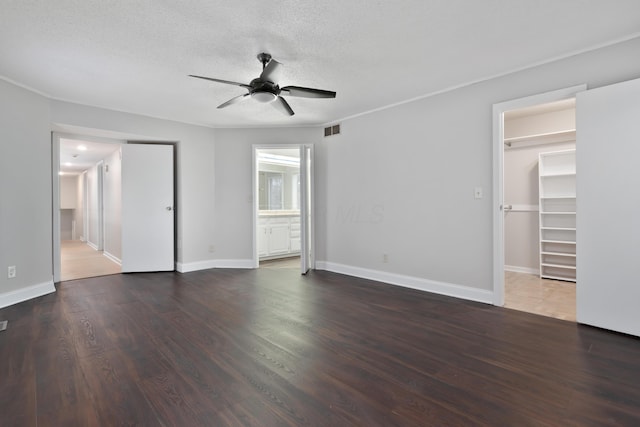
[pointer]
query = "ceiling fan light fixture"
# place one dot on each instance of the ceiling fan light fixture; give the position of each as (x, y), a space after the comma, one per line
(264, 97)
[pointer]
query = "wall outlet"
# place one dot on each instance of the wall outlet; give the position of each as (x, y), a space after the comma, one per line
(212, 248)
(11, 271)
(385, 258)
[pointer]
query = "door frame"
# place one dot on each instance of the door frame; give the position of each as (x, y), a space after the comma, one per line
(498, 174)
(307, 224)
(311, 222)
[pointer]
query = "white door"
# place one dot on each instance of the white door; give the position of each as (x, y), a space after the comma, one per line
(306, 208)
(608, 207)
(147, 208)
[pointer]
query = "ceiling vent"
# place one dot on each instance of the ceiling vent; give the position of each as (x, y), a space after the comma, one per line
(332, 130)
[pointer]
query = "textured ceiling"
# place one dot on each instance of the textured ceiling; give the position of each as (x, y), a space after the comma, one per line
(135, 55)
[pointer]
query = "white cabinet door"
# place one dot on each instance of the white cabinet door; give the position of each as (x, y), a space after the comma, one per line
(147, 208)
(608, 202)
(279, 239)
(263, 240)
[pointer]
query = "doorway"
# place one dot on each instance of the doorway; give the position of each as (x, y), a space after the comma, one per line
(282, 207)
(132, 225)
(89, 208)
(532, 248)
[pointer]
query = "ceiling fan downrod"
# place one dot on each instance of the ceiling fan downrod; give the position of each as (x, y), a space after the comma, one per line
(264, 58)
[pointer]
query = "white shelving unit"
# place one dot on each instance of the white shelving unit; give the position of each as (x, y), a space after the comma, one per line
(557, 190)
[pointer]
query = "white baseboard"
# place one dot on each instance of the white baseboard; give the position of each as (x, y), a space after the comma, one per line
(516, 269)
(214, 263)
(92, 245)
(112, 257)
(27, 293)
(442, 288)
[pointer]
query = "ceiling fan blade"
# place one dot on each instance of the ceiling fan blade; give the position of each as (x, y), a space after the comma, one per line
(234, 100)
(272, 72)
(307, 92)
(283, 106)
(221, 81)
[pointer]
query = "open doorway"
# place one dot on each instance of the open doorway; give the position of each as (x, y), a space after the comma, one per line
(540, 209)
(89, 210)
(535, 199)
(282, 195)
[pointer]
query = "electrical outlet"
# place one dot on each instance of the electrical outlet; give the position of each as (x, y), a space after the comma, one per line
(385, 258)
(11, 271)
(212, 248)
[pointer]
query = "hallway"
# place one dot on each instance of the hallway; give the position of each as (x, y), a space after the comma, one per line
(79, 261)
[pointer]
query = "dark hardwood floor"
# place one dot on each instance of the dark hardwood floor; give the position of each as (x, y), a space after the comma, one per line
(269, 347)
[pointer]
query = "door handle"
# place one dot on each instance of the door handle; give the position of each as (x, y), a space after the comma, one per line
(507, 207)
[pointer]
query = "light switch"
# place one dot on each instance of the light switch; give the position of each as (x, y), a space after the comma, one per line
(477, 192)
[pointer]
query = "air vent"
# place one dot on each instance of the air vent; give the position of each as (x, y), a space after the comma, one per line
(332, 130)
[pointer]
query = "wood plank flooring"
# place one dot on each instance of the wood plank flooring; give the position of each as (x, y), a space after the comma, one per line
(269, 347)
(78, 261)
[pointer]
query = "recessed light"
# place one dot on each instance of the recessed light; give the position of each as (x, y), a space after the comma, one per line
(67, 164)
(82, 147)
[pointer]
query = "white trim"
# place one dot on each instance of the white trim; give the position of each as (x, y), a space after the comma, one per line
(112, 257)
(498, 175)
(55, 205)
(314, 124)
(92, 246)
(490, 77)
(24, 294)
(214, 263)
(442, 288)
(526, 270)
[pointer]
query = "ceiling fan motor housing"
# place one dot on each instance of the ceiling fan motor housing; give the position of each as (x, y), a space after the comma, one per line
(264, 91)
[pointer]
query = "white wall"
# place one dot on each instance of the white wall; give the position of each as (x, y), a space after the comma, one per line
(25, 194)
(554, 121)
(195, 165)
(234, 191)
(113, 205)
(401, 181)
(398, 181)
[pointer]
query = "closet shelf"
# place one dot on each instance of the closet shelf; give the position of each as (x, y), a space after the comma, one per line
(565, 242)
(558, 174)
(569, 267)
(559, 254)
(557, 197)
(557, 213)
(547, 137)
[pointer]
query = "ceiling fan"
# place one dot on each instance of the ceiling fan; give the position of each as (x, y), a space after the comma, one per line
(265, 88)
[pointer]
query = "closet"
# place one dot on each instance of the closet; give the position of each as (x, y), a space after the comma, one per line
(539, 190)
